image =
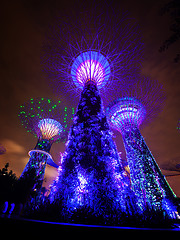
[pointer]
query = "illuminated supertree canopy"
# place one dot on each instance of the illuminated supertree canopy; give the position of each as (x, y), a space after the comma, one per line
(49, 128)
(126, 114)
(46, 119)
(90, 66)
(91, 160)
(109, 50)
(92, 175)
(138, 104)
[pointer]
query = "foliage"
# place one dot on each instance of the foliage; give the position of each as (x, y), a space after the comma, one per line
(8, 180)
(53, 211)
(24, 187)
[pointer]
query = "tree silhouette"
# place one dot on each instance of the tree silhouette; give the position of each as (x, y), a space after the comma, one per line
(8, 180)
(25, 187)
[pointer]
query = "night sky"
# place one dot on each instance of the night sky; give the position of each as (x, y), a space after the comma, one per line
(23, 28)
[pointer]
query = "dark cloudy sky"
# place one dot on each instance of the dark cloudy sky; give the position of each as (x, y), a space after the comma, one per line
(23, 27)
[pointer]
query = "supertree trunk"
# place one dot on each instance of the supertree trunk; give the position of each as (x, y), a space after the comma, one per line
(148, 183)
(92, 175)
(39, 157)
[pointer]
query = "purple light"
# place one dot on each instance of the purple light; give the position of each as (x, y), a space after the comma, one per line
(33, 113)
(90, 65)
(31, 152)
(113, 43)
(90, 70)
(49, 128)
(151, 188)
(126, 112)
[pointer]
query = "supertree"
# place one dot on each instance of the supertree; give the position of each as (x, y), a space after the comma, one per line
(126, 114)
(49, 121)
(94, 54)
(91, 175)
(100, 30)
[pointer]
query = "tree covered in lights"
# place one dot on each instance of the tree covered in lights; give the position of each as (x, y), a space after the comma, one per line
(126, 114)
(48, 120)
(91, 174)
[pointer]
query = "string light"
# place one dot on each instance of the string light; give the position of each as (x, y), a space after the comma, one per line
(45, 119)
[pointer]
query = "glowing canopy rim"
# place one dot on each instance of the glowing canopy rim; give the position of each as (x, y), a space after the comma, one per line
(90, 65)
(126, 111)
(30, 153)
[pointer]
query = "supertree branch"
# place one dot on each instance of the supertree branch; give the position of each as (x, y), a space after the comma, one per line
(117, 39)
(90, 66)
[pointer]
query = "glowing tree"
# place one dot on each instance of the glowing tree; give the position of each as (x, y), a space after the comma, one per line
(126, 114)
(48, 120)
(100, 55)
(91, 174)
(117, 36)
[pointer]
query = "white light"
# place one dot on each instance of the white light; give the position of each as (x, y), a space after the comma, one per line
(90, 70)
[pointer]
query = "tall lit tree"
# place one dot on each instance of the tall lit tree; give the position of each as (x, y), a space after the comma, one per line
(91, 173)
(48, 120)
(126, 114)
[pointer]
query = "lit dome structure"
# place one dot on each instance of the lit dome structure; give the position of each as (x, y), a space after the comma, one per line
(50, 128)
(126, 112)
(90, 66)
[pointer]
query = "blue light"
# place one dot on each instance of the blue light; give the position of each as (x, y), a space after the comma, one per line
(90, 65)
(37, 163)
(126, 112)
